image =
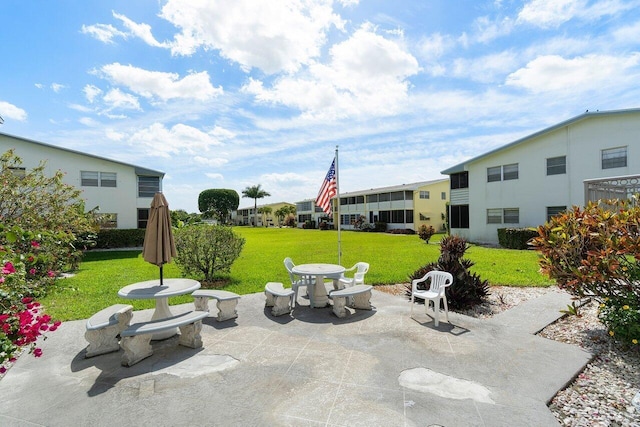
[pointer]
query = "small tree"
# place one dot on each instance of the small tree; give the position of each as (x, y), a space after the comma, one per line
(467, 289)
(218, 203)
(425, 233)
(265, 211)
(207, 250)
(255, 193)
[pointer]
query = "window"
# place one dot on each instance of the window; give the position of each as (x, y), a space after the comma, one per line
(318, 209)
(384, 216)
(397, 217)
(614, 158)
(304, 218)
(143, 218)
(98, 179)
(359, 199)
(460, 180)
(18, 172)
(511, 215)
(557, 165)
(89, 179)
(554, 210)
(108, 220)
(303, 206)
(397, 195)
(108, 179)
(443, 195)
(494, 216)
(423, 217)
(424, 194)
(506, 216)
(148, 186)
(504, 173)
(494, 174)
(372, 198)
(510, 171)
(384, 197)
(459, 217)
(408, 216)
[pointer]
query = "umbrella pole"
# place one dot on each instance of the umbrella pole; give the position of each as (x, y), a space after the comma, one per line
(160, 274)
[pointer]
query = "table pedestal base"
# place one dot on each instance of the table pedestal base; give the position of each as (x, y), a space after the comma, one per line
(162, 312)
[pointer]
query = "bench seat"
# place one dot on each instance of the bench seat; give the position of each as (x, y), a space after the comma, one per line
(226, 302)
(279, 298)
(104, 327)
(361, 295)
(136, 339)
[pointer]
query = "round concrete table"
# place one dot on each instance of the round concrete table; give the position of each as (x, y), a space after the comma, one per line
(151, 289)
(319, 298)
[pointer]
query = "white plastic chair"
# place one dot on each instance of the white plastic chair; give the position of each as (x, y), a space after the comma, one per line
(304, 281)
(436, 292)
(360, 268)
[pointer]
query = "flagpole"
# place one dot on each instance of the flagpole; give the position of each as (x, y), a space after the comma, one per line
(338, 204)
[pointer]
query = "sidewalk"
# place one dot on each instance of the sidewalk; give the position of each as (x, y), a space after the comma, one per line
(377, 367)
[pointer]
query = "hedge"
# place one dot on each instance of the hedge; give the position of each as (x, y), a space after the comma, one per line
(120, 238)
(516, 238)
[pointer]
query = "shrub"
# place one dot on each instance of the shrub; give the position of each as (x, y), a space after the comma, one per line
(516, 238)
(207, 250)
(621, 316)
(323, 225)
(467, 289)
(309, 224)
(290, 220)
(379, 227)
(593, 251)
(120, 238)
(425, 233)
(402, 231)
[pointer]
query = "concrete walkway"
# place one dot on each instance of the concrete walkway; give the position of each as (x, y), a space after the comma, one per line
(373, 368)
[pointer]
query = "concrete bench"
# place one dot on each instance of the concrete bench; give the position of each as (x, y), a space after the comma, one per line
(104, 327)
(361, 299)
(227, 302)
(279, 298)
(136, 339)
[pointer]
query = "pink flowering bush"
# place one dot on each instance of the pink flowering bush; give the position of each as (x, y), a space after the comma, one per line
(22, 322)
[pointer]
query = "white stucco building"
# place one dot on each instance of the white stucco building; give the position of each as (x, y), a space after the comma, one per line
(122, 191)
(522, 184)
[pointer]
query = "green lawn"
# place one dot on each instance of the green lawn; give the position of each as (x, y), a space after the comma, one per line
(391, 257)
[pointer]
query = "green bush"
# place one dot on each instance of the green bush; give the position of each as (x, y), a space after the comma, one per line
(516, 238)
(120, 238)
(206, 251)
(621, 316)
(380, 227)
(309, 224)
(467, 289)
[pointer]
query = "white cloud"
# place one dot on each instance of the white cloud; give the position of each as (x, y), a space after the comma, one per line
(157, 84)
(91, 92)
(216, 176)
(142, 31)
(102, 32)
(486, 69)
(115, 99)
(114, 135)
(88, 121)
(551, 14)
(214, 162)
(367, 74)
(57, 87)
(555, 73)
(270, 35)
(488, 29)
(10, 111)
(157, 140)
(39, 85)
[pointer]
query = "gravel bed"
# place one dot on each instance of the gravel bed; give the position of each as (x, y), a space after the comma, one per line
(602, 394)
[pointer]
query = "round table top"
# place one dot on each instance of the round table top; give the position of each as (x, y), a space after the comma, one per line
(152, 289)
(318, 269)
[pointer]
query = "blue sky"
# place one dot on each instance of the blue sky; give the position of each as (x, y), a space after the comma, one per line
(230, 94)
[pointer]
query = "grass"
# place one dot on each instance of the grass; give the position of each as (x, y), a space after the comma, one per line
(391, 257)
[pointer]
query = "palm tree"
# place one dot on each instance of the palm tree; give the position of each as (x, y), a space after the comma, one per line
(265, 211)
(255, 193)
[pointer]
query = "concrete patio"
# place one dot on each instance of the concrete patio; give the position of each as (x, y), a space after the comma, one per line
(378, 367)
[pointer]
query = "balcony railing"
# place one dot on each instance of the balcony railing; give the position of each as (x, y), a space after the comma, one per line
(618, 187)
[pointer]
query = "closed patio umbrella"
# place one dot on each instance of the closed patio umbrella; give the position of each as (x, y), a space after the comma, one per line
(159, 247)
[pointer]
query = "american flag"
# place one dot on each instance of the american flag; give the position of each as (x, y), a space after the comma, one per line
(328, 190)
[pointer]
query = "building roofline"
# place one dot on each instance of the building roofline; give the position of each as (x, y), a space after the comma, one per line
(461, 167)
(138, 169)
(400, 187)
